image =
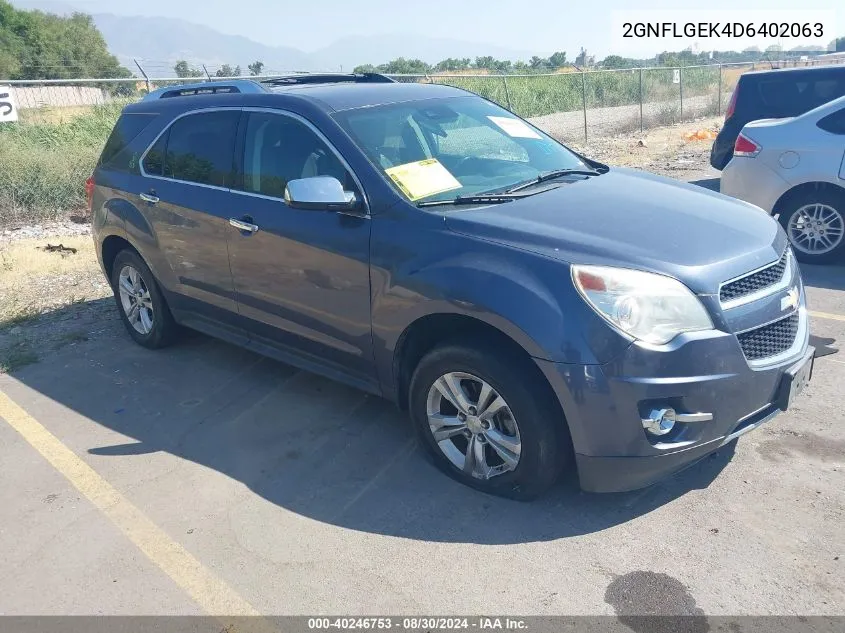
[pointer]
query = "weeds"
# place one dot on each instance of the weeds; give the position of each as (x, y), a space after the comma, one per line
(15, 357)
(45, 161)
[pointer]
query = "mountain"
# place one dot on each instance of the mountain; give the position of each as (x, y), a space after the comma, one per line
(129, 37)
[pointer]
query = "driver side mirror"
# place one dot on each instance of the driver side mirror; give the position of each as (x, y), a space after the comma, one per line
(321, 193)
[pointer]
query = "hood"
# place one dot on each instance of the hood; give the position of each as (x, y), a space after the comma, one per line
(634, 220)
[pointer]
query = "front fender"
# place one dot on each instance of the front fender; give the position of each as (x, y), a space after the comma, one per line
(528, 297)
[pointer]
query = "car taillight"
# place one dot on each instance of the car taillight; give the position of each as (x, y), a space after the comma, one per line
(744, 146)
(89, 192)
(732, 104)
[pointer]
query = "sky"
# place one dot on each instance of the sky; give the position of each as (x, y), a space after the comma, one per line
(538, 25)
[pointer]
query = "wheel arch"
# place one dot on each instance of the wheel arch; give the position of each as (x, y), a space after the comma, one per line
(804, 189)
(427, 332)
(109, 249)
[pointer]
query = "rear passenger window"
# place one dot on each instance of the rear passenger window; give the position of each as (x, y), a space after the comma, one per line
(834, 123)
(196, 148)
(116, 154)
(200, 148)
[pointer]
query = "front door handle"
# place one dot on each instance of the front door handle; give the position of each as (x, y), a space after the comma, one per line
(150, 198)
(241, 225)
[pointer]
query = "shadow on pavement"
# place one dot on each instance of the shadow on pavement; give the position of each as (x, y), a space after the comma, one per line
(830, 277)
(310, 445)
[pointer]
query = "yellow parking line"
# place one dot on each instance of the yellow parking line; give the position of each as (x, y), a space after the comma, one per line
(826, 315)
(212, 594)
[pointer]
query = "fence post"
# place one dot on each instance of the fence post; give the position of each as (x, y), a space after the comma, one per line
(507, 92)
(144, 73)
(719, 106)
(584, 101)
(681, 87)
(641, 100)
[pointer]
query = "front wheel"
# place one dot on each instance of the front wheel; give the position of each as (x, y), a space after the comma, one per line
(487, 422)
(815, 225)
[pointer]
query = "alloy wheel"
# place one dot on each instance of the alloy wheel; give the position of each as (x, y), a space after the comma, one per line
(816, 229)
(473, 425)
(135, 300)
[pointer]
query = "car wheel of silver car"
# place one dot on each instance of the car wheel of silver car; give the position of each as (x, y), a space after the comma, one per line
(815, 226)
(142, 307)
(488, 421)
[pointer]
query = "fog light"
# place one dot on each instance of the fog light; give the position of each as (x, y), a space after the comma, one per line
(660, 421)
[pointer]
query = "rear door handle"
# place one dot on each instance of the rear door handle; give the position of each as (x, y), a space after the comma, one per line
(147, 197)
(243, 226)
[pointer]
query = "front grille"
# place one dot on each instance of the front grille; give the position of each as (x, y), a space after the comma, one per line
(769, 276)
(769, 340)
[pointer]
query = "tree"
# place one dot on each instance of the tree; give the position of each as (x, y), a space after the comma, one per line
(537, 63)
(614, 61)
(558, 59)
(36, 45)
(255, 68)
(182, 70)
(227, 71)
(364, 68)
(402, 66)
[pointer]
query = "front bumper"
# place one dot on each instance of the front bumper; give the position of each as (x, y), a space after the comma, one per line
(698, 372)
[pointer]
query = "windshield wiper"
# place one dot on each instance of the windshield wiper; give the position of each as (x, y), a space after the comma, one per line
(481, 198)
(551, 175)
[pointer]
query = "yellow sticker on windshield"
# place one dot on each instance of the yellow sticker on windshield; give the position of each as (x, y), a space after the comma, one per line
(423, 178)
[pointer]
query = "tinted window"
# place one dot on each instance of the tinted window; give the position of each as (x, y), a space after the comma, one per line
(792, 96)
(116, 155)
(280, 148)
(200, 148)
(154, 160)
(834, 123)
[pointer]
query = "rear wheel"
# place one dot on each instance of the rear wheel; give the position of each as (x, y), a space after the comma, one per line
(815, 225)
(486, 422)
(142, 306)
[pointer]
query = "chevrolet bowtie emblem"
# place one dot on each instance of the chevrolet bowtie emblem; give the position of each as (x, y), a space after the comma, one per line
(790, 301)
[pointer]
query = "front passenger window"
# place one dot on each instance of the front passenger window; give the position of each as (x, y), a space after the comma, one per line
(279, 149)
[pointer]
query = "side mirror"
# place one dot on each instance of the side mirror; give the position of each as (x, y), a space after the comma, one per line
(319, 192)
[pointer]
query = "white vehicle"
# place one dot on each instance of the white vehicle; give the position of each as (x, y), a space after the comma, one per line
(795, 168)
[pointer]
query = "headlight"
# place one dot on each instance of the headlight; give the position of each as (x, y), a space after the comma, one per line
(650, 307)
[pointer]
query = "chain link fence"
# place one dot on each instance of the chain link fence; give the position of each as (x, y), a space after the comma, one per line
(570, 105)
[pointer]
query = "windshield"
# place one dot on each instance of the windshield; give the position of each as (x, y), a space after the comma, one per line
(443, 148)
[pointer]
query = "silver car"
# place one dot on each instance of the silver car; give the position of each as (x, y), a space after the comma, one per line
(795, 168)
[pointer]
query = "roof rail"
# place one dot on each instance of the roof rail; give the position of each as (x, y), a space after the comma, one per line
(206, 88)
(326, 78)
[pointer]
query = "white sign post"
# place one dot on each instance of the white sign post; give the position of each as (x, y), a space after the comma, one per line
(8, 108)
(676, 76)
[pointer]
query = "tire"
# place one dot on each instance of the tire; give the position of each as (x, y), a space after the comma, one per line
(826, 207)
(540, 428)
(158, 329)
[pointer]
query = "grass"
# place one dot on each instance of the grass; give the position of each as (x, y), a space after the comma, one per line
(16, 357)
(45, 159)
(34, 280)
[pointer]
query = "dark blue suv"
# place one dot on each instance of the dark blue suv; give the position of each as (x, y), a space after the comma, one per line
(528, 306)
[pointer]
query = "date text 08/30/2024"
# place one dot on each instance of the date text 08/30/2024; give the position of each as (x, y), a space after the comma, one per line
(417, 623)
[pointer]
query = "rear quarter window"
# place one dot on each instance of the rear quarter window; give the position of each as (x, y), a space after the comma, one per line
(117, 155)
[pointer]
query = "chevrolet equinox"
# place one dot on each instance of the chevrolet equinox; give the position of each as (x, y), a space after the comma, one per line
(529, 307)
